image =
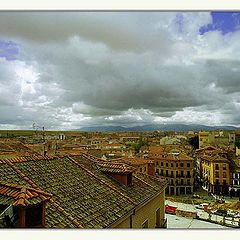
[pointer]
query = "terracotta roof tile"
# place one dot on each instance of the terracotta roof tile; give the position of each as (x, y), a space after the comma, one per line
(83, 195)
(20, 195)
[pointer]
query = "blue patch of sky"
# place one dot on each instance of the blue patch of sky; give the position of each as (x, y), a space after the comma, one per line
(179, 21)
(224, 22)
(8, 50)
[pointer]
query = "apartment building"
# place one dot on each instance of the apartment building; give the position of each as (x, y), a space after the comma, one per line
(178, 170)
(214, 170)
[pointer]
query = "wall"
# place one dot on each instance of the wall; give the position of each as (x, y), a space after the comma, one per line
(147, 211)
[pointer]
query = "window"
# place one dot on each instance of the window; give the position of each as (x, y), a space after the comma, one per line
(224, 167)
(34, 216)
(161, 172)
(188, 182)
(161, 163)
(129, 179)
(158, 217)
(157, 163)
(140, 169)
(224, 182)
(176, 164)
(224, 175)
(182, 175)
(188, 164)
(145, 224)
(171, 173)
(217, 181)
(166, 164)
(188, 174)
(181, 164)
(145, 169)
(217, 174)
(217, 167)
(182, 181)
(166, 173)
(171, 164)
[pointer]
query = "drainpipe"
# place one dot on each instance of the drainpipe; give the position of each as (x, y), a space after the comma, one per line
(131, 220)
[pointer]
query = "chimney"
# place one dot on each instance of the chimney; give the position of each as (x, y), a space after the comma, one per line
(151, 168)
(119, 171)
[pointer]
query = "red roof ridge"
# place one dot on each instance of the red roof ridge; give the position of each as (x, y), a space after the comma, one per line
(21, 194)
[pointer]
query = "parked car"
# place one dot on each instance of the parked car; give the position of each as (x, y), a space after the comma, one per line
(201, 205)
(170, 209)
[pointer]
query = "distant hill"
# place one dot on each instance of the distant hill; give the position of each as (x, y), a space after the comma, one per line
(157, 127)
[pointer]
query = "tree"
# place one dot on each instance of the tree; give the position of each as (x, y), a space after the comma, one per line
(194, 141)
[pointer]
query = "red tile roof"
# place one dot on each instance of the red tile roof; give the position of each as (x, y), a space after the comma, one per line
(18, 195)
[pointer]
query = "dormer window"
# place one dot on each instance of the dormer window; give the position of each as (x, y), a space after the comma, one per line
(120, 172)
(21, 206)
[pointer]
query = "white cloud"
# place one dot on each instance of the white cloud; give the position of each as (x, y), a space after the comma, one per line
(78, 69)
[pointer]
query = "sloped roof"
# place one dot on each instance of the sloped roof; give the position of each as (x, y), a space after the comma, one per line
(115, 167)
(135, 161)
(17, 195)
(83, 195)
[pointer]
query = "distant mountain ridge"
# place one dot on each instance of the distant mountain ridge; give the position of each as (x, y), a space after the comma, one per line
(157, 127)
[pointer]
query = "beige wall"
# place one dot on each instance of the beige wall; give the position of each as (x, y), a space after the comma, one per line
(237, 151)
(144, 168)
(210, 167)
(146, 212)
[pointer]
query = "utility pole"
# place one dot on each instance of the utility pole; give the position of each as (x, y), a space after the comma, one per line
(43, 134)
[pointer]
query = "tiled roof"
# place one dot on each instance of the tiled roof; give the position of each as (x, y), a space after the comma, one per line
(24, 159)
(172, 157)
(115, 167)
(17, 195)
(83, 195)
(156, 149)
(134, 161)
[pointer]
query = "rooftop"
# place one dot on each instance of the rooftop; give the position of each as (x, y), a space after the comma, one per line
(17, 195)
(82, 194)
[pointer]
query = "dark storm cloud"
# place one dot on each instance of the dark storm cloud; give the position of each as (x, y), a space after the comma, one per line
(76, 69)
(226, 74)
(118, 30)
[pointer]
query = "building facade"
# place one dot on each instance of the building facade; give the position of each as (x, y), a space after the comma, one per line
(178, 170)
(215, 171)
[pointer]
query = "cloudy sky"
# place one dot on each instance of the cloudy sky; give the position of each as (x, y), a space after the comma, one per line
(66, 70)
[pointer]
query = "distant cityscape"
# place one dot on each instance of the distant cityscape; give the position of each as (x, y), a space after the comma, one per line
(77, 179)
